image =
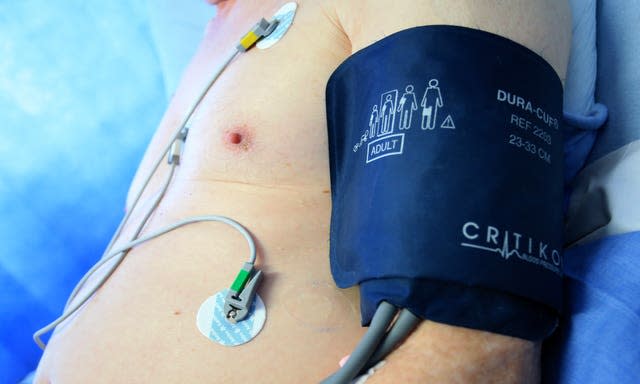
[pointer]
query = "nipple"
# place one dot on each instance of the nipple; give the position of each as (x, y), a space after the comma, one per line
(237, 139)
(234, 138)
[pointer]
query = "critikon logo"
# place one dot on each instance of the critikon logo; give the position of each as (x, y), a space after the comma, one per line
(510, 243)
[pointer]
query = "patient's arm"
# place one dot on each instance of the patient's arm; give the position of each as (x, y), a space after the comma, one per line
(437, 353)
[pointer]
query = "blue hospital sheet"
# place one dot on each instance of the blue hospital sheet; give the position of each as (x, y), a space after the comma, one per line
(598, 338)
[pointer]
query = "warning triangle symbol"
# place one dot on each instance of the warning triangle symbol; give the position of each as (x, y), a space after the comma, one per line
(448, 123)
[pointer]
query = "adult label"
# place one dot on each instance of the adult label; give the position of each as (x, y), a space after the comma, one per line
(400, 112)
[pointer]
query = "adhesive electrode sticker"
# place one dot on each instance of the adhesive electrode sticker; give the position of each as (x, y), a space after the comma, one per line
(212, 323)
(284, 16)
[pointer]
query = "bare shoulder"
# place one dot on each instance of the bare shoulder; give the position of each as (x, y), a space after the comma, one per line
(544, 26)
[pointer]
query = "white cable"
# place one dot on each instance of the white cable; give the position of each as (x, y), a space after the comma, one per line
(138, 196)
(109, 255)
(68, 312)
(143, 222)
(191, 220)
(120, 253)
(261, 30)
(175, 137)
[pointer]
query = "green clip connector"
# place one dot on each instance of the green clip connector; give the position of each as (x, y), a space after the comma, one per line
(242, 278)
(240, 296)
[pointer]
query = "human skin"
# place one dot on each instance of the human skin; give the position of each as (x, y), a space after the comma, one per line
(257, 152)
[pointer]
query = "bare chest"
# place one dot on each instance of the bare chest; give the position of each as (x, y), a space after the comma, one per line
(263, 121)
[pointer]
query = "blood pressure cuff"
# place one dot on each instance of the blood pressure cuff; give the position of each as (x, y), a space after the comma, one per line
(446, 172)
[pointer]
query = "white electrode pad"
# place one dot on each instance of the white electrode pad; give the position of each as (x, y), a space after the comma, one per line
(212, 323)
(284, 16)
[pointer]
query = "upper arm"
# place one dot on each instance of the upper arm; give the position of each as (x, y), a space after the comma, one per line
(544, 26)
(439, 351)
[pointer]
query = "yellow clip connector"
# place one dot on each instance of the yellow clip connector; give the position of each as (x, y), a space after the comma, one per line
(248, 40)
(260, 30)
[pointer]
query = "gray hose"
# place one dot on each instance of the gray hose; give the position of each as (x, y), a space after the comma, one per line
(403, 326)
(366, 347)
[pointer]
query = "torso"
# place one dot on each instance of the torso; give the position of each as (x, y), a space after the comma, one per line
(140, 326)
